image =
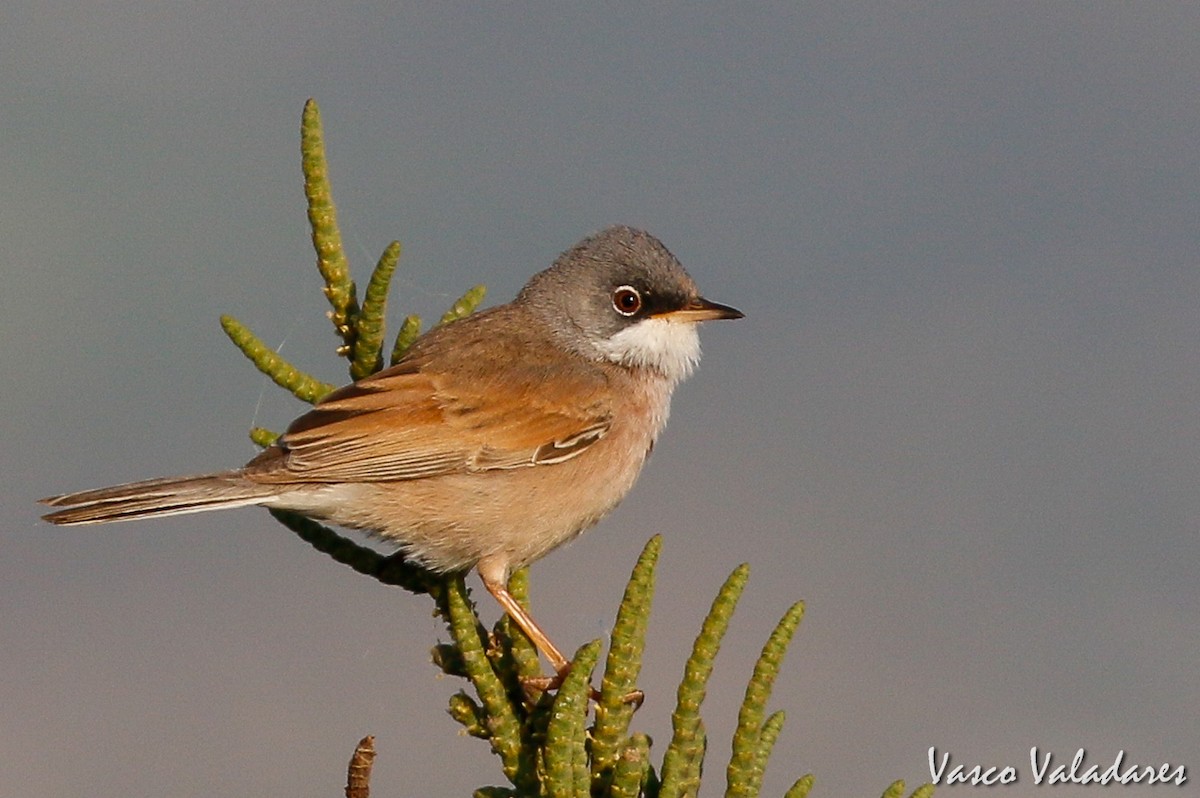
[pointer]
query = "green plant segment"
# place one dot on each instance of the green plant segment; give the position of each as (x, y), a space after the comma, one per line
(303, 386)
(610, 740)
(574, 741)
(326, 236)
(367, 351)
(685, 754)
(755, 737)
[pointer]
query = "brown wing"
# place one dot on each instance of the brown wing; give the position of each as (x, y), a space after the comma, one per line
(416, 420)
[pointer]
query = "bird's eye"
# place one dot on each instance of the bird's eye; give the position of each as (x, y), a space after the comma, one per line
(626, 300)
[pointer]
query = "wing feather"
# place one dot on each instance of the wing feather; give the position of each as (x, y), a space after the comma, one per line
(418, 420)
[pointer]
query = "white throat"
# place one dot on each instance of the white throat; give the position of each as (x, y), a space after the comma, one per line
(670, 347)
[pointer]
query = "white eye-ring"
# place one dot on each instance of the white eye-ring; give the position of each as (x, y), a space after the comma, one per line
(626, 300)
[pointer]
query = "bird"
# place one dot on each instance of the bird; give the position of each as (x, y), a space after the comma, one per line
(497, 437)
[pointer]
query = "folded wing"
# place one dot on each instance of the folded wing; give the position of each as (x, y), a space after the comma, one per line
(414, 421)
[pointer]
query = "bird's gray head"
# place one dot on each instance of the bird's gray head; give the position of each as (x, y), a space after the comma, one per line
(621, 296)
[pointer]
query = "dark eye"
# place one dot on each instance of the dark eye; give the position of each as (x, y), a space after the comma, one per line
(626, 300)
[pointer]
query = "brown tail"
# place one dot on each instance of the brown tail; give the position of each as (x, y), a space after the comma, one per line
(157, 497)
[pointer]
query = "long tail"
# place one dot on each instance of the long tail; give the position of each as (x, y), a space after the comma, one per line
(157, 497)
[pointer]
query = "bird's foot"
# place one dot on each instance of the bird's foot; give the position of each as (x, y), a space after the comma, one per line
(534, 685)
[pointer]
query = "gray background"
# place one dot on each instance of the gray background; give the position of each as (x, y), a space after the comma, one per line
(959, 419)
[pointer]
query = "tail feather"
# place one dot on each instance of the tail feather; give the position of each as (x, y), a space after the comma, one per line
(156, 498)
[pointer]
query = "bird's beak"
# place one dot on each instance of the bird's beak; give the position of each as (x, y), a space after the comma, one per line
(700, 309)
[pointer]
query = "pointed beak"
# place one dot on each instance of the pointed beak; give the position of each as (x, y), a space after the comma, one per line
(700, 309)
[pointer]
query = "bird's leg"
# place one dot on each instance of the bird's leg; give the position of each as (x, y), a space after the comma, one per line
(522, 618)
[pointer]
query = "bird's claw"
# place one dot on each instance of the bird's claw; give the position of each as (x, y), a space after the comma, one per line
(534, 685)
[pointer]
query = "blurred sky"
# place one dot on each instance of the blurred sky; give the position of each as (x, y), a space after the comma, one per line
(959, 420)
